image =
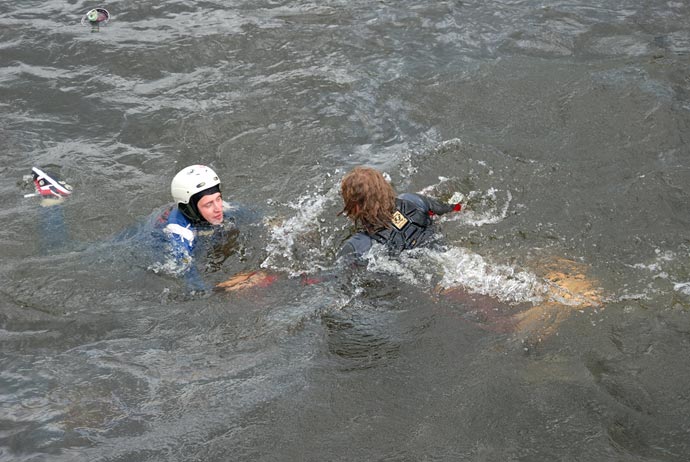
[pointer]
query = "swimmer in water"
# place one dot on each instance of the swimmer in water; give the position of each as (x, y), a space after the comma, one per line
(180, 234)
(200, 212)
(399, 222)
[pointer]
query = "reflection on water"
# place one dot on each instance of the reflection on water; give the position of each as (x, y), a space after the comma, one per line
(552, 325)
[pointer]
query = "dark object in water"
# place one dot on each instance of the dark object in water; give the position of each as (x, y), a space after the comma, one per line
(96, 16)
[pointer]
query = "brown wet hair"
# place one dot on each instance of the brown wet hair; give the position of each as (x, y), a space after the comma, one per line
(369, 199)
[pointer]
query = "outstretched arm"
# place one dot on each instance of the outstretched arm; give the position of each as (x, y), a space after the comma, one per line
(247, 280)
(432, 206)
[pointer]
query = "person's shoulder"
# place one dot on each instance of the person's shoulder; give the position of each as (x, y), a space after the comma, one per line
(357, 245)
(360, 238)
(416, 199)
(175, 216)
(175, 223)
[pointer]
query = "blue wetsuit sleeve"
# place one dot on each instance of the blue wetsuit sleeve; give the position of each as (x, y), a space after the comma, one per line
(180, 250)
(347, 252)
(427, 203)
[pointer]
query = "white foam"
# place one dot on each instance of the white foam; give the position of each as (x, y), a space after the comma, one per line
(458, 267)
(682, 287)
(170, 266)
(484, 209)
(457, 197)
(484, 206)
(286, 239)
(462, 267)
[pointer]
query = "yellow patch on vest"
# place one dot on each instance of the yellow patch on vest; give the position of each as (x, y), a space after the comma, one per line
(399, 220)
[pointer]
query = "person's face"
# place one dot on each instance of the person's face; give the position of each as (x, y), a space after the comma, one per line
(211, 208)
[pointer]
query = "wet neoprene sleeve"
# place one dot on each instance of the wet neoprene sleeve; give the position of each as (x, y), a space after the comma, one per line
(428, 204)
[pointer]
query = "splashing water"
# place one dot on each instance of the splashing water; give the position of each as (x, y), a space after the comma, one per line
(295, 246)
(459, 267)
(479, 207)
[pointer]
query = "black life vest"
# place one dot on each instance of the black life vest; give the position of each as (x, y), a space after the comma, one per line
(410, 227)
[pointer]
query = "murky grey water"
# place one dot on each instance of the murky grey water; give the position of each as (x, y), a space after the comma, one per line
(565, 124)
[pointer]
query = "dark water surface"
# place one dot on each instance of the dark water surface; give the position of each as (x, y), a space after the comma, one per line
(566, 125)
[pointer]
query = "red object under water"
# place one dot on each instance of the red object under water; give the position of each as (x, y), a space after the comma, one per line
(307, 281)
(267, 280)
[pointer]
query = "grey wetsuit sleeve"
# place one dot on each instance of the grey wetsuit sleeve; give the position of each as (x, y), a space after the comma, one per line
(355, 247)
(427, 203)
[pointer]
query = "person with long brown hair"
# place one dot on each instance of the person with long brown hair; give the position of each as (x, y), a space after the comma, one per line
(399, 222)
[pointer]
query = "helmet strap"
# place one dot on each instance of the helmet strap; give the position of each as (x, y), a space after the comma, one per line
(191, 212)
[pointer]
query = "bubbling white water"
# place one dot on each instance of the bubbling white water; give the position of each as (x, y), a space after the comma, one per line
(459, 267)
(296, 246)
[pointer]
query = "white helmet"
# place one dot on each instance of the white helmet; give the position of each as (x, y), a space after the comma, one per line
(191, 180)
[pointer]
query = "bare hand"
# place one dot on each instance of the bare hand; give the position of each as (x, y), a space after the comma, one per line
(247, 280)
